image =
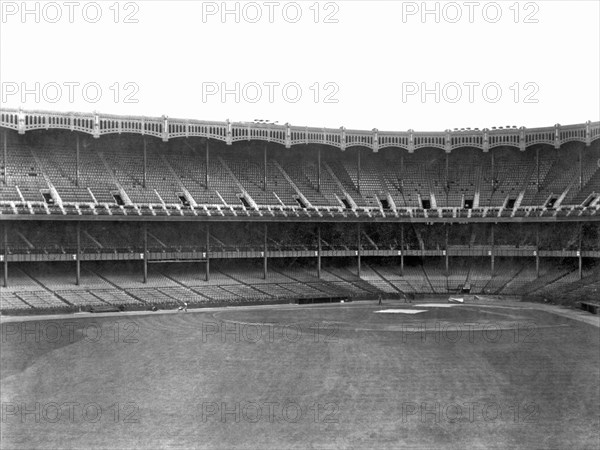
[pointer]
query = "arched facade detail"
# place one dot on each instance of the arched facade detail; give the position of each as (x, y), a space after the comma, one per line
(165, 128)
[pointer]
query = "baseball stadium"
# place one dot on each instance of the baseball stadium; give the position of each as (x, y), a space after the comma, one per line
(177, 283)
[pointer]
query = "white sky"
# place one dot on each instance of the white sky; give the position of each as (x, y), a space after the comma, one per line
(174, 54)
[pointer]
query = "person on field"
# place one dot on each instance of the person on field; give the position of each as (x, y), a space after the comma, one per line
(379, 299)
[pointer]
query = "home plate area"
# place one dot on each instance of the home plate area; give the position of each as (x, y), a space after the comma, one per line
(436, 305)
(415, 311)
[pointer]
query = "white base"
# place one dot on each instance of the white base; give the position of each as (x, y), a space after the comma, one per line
(401, 311)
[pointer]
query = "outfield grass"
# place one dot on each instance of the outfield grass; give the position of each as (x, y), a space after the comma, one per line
(522, 378)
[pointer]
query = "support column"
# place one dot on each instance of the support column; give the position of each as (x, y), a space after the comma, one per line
(78, 256)
(5, 253)
(145, 265)
(358, 230)
(401, 249)
(537, 250)
(77, 163)
(358, 170)
(537, 168)
(580, 168)
(265, 169)
(579, 251)
(319, 251)
(447, 178)
(493, 174)
(206, 171)
(319, 169)
(447, 262)
(207, 265)
(265, 253)
(493, 256)
(5, 149)
(145, 162)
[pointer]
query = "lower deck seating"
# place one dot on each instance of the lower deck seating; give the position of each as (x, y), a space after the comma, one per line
(34, 287)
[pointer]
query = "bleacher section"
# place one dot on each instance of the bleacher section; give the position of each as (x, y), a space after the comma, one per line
(34, 287)
(150, 174)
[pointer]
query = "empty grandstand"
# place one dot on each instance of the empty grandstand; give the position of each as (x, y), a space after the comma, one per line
(140, 212)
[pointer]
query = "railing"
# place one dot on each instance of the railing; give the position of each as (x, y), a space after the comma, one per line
(287, 135)
(136, 254)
